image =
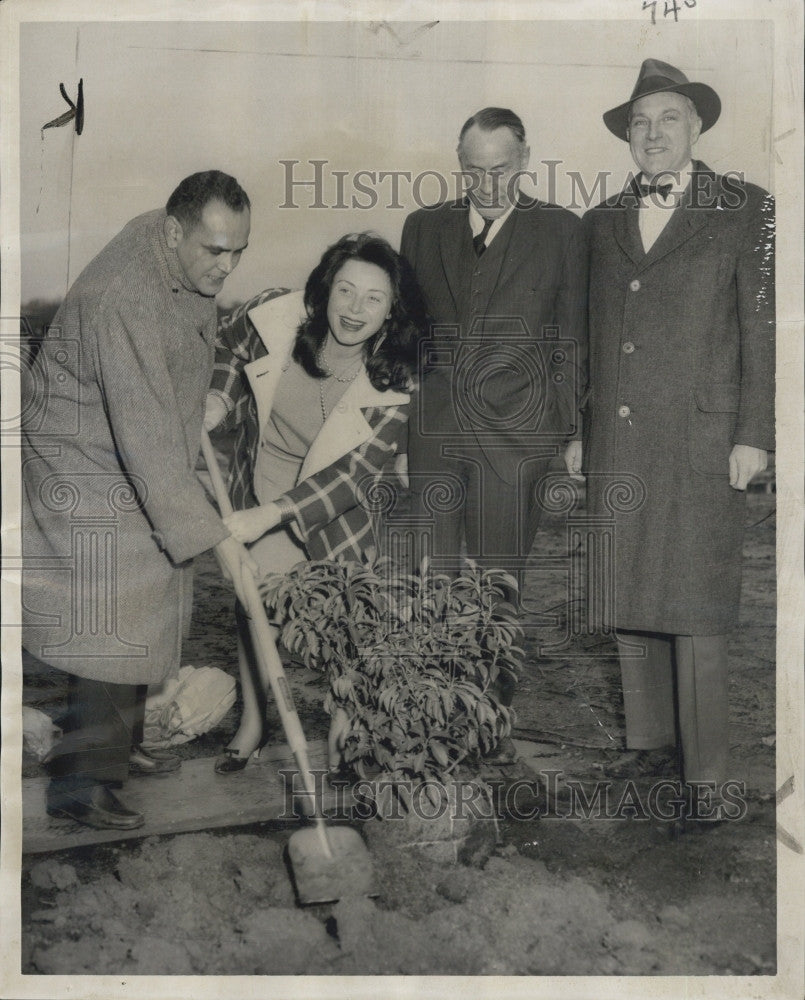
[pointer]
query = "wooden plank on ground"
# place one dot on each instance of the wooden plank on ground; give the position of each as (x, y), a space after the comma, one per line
(190, 799)
(196, 798)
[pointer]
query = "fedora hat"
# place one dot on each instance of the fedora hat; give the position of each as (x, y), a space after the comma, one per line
(657, 77)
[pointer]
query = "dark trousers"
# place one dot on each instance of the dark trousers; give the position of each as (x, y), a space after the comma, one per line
(493, 522)
(689, 672)
(102, 723)
(458, 497)
(465, 508)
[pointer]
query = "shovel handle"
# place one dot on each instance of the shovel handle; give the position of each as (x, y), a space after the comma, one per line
(266, 650)
(218, 485)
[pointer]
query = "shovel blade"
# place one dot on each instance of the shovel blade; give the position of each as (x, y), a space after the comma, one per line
(323, 879)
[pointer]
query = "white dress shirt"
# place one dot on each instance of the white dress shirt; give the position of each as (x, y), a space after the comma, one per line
(654, 213)
(477, 223)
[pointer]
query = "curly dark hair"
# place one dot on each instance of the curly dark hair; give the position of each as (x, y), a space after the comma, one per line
(391, 354)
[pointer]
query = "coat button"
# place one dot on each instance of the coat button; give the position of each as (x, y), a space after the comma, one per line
(634, 285)
(623, 411)
(341, 407)
(628, 347)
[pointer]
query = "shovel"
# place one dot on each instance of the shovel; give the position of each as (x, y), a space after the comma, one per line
(328, 863)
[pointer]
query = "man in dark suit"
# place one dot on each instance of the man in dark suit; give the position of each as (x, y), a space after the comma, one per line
(680, 409)
(504, 279)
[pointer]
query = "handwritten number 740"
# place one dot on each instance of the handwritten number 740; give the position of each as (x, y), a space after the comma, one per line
(670, 7)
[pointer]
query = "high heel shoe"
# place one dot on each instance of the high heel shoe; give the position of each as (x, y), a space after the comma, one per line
(339, 774)
(232, 761)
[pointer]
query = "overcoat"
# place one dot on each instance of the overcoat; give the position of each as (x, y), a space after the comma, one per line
(112, 509)
(532, 317)
(334, 512)
(681, 369)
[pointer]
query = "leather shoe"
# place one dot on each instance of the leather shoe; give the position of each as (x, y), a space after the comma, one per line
(503, 754)
(691, 821)
(95, 806)
(142, 761)
(636, 764)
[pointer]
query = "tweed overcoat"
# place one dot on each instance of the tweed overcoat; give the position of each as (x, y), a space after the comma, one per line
(681, 368)
(532, 317)
(112, 509)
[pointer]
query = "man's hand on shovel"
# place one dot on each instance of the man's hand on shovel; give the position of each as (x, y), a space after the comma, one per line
(234, 558)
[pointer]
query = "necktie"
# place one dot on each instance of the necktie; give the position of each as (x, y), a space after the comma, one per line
(478, 241)
(662, 189)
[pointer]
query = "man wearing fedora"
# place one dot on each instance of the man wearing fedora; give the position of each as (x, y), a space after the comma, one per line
(679, 410)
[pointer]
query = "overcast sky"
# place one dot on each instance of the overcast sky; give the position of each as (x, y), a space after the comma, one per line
(166, 99)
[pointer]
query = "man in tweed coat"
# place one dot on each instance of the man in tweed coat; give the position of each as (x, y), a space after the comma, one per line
(680, 412)
(113, 512)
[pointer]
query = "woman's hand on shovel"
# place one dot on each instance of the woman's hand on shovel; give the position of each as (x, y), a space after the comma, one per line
(250, 524)
(234, 558)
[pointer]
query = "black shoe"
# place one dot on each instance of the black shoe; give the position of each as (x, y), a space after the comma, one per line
(636, 764)
(231, 760)
(95, 806)
(503, 754)
(142, 761)
(690, 822)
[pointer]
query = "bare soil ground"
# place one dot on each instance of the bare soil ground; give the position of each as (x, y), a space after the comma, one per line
(558, 895)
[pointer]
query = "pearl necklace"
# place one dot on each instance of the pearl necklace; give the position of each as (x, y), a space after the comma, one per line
(329, 373)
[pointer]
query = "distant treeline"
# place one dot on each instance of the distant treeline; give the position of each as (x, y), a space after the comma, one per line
(37, 315)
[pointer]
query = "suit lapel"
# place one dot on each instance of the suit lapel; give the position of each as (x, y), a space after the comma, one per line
(627, 227)
(517, 240)
(684, 223)
(451, 239)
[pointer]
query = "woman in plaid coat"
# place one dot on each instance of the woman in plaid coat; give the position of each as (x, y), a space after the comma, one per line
(318, 384)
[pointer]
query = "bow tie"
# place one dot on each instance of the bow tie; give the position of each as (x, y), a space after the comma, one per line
(646, 189)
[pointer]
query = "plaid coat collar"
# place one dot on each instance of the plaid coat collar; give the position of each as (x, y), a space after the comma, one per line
(346, 428)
